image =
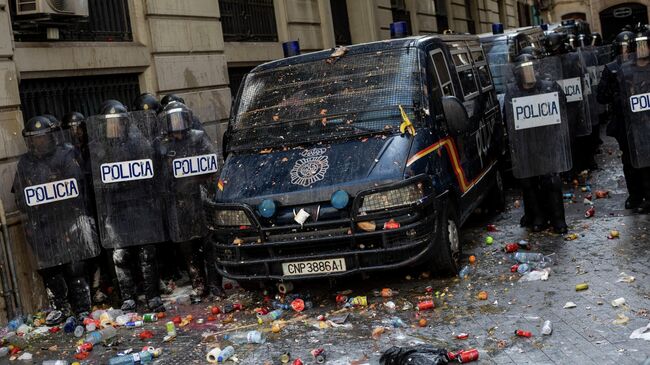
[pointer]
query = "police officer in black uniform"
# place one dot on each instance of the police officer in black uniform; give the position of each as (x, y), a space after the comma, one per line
(608, 93)
(189, 165)
(129, 216)
(538, 170)
(147, 101)
(49, 189)
(196, 122)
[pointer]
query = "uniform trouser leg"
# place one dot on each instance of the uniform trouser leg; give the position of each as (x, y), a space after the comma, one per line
(633, 176)
(532, 203)
(213, 278)
(122, 259)
(192, 252)
(79, 289)
(551, 185)
(149, 268)
(54, 280)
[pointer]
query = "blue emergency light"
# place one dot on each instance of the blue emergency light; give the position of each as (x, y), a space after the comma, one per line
(497, 28)
(398, 30)
(291, 48)
(544, 26)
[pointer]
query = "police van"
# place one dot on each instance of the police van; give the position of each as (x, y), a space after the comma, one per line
(358, 159)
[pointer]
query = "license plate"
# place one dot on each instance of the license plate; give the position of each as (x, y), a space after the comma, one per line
(313, 267)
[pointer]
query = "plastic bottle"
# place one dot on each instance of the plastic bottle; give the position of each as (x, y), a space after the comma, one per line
(245, 337)
(15, 323)
(4, 351)
(466, 271)
(79, 331)
(270, 317)
(523, 268)
(132, 359)
(101, 335)
(123, 319)
(527, 257)
(13, 339)
(70, 325)
(97, 314)
(90, 327)
(283, 306)
(55, 362)
(226, 353)
(547, 328)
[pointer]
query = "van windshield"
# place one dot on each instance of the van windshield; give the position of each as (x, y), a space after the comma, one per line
(327, 99)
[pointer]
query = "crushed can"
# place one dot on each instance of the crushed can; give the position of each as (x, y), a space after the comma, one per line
(511, 247)
(590, 212)
(522, 333)
(426, 305)
(466, 356)
(319, 355)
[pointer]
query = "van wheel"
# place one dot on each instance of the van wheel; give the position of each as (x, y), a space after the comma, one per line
(446, 258)
(495, 202)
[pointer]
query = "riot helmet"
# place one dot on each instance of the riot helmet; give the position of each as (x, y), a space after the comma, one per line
(147, 101)
(596, 39)
(642, 50)
(624, 44)
(530, 50)
(39, 136)
(176, 117)
(554, 44)
(75, 122)
(522, 41)
(571, 41)
(584, 40)
(116, 118)
(171, 97)
(524, 70)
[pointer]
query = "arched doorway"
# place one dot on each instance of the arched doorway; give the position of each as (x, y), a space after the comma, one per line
(614, 18)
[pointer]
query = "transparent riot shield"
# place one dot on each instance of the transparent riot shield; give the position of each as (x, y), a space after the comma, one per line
(590, 60)
(573, 84)
(634, 83)
(125, 181)
(51, 193)
(189, 165)
(535, 113)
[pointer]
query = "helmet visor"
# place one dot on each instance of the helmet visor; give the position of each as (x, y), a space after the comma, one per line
(642, 50)
(525, 73)
(177, 120)
(41, 144)
(116, 125)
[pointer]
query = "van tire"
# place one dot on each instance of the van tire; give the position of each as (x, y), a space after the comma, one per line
(447, 247)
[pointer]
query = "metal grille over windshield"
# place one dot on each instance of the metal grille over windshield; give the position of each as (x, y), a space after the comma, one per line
(330, 98)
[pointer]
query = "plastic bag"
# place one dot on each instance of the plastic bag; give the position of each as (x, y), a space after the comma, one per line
(414, 355)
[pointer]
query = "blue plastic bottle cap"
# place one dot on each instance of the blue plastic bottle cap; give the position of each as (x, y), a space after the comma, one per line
(266, 208)
(340, 199)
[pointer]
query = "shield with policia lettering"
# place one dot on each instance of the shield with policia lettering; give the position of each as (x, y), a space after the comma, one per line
(573, 83)
(535, 113)
(634, 81)
(50, 193)
(125, 180)
(188, 170)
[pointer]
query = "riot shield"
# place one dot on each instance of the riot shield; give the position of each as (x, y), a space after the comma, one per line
(572, 83)
(189, 165)
(126, 185)
(51, 193)
(634, 77)
(590, 61)
(535, 113)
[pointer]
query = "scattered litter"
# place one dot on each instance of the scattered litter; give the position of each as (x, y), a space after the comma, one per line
(618, 302)
(582, 286)
(536, 275)
(621, 319)
(489, 240)
(547, 328)
(482, 295)
(625, 278)
(613, 234)
(569, 305)
(642, 333)
(415, 355)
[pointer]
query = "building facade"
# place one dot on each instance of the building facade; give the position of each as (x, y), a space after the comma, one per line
(607, 17)
(199, 49)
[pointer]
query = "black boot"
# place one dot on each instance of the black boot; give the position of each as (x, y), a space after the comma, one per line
(149, 268)
(79, 288)
(553, 186)
(122, 260)
(58, 295)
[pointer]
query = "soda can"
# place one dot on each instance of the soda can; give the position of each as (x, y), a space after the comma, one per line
(150, 317)
(522, 333)
(285, 358)
(171, 328)
(426, 305)
(511, 247)
(319, 355)
(360, 301)
(467, 356)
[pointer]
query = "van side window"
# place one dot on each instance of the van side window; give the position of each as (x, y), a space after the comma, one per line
(442, 73)
(468, 81)
(482, 69)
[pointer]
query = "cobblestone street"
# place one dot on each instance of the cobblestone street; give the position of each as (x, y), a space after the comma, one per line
(585, 334)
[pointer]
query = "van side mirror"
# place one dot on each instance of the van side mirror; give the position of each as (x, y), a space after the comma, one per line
(456, 114)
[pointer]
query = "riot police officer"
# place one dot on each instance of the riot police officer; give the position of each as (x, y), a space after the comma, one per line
(634, 90)
(534, 135)
(189, 166)
(59, 228)
(147, 101)
(126, 193)
(608, 93)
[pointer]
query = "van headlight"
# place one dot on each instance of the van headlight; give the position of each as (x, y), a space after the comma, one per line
(394, 198)
(231, 218)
